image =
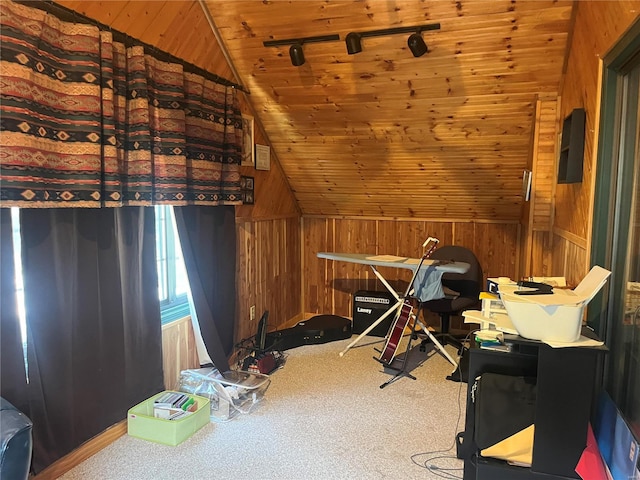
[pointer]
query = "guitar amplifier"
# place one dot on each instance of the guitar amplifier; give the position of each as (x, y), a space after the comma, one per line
(369, 306)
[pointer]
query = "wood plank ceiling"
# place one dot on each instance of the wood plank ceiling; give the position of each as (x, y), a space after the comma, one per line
(381, 133)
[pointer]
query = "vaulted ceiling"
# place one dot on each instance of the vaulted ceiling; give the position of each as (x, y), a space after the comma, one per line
(381, 133)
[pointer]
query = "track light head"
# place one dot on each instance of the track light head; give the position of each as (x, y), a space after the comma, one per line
(417, 45)
(297, 54)
(295, 50)
(354, 44)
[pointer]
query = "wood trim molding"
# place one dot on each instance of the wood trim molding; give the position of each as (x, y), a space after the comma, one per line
(414, 219)
(594, 158)
(83, 452)
(240, 219)
(571, 237)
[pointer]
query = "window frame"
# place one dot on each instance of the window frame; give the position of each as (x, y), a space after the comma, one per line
(614, 183)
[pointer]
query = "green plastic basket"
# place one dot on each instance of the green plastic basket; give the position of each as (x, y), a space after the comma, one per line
(142, 424)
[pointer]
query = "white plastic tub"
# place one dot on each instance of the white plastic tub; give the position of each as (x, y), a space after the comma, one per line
(555, 317)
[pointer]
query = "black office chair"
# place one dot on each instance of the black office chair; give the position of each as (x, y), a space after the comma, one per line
(462, 291)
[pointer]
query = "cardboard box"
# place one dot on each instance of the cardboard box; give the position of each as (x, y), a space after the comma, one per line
(555, 317)
(142, 423)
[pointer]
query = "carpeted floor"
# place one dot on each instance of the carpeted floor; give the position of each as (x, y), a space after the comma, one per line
(323, 417)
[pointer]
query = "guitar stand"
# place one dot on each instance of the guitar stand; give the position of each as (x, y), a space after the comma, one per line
(402, 371)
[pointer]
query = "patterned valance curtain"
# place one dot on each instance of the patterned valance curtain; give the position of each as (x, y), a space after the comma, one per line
(89, 120)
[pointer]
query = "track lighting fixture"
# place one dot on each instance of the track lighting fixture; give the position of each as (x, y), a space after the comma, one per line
(416, 43)
(354, 43)
(297, 54)
(295, 50)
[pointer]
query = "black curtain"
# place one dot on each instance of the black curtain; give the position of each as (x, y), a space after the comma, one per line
(13, 382)
(208, 240)
(95, 345)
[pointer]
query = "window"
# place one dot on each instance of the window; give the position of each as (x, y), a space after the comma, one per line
(616, 234)
(17, 255)
(173, 284)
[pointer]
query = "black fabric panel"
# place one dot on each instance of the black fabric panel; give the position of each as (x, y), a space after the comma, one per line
(95, 345)
(13, 382)
(208, 239)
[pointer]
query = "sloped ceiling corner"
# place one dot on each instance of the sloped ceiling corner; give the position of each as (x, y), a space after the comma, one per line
(381, 133)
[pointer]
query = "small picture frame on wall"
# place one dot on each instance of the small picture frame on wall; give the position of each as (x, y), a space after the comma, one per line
(246, 189)
(263, 157)
(247, 141)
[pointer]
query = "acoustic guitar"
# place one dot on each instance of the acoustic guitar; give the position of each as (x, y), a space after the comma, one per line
(394, 336)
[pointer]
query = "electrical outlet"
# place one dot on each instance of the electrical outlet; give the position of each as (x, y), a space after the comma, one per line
(252, 312)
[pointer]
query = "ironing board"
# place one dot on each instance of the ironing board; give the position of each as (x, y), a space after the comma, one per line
(427, 284)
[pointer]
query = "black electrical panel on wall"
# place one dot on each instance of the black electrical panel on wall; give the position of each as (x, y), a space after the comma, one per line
(572, 147)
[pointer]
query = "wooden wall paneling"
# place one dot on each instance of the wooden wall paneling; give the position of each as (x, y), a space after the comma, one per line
(576, 264)
(178, 350)
(245, 280)
(558, 248)
(443, 231)
(545, 165)
(464, 234)
(317, 236)
(395, 238)
(405, 238)
(279, 286)
(103, 12)
(163, 25)
(528, 205)
(495, 244)
(187, 41)
(179, 28)
(597, 27)
(593, 163)
(525, 249)
(272, 193)
(541, 256)
(569, 259)
(401, 238)
(270, 273)
(136, 17)
(537, 213)
(263, 260)
(291, 270)
(353, 236)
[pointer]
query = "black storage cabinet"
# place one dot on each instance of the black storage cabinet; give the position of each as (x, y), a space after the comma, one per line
(565, 391)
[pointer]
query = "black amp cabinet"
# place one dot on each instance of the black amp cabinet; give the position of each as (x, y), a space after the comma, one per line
(369, 306)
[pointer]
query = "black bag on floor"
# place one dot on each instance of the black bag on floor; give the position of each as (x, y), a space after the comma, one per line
(504, 406)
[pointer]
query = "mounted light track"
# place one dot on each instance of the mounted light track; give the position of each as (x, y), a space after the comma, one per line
(416, 43)
(295, 50)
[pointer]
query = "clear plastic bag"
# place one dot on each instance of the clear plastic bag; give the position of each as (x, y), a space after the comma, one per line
(235, 392)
